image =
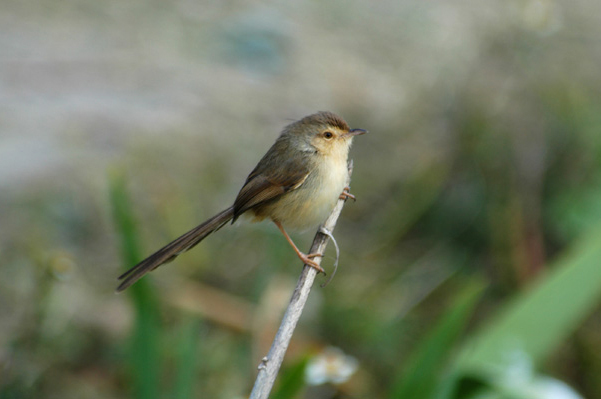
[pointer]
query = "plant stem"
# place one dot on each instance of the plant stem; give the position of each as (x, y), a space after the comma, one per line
(270, 365)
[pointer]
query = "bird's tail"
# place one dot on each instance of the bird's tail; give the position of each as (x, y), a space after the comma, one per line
(174, 248)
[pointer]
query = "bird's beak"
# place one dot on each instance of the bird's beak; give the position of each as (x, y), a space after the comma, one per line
(355, 132)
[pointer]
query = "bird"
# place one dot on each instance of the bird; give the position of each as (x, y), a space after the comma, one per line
(296, 185)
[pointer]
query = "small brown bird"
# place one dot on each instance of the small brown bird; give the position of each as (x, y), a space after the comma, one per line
(296, 184)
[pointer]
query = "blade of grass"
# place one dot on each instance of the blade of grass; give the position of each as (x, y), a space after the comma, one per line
(292, 381)
(144, 345)
(421, 372)
(187, 357)
(538, 320)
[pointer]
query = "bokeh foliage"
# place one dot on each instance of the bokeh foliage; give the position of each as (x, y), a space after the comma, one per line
(469, 263)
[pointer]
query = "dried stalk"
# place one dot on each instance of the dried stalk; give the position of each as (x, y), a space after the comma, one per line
(270, 364)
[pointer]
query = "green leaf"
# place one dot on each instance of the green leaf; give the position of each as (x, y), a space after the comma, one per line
(144, 345)
(538, 320)
(187, 360)
(291, 381)
(419, 379)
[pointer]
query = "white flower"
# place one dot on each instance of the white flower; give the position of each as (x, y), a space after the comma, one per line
(331, 365)
(518, 379)
(550, 388)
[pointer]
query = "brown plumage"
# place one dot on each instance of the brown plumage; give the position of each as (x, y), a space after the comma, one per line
(296, 184)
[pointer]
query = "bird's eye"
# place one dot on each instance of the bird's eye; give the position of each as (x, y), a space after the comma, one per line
(328, 135)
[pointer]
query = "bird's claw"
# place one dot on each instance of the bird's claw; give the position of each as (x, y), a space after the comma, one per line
(346, 194)
(309, 262)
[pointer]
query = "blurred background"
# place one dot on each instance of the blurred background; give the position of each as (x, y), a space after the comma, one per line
(469, 263)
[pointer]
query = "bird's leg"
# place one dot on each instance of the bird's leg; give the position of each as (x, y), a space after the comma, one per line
(346, 194)
(306, 258)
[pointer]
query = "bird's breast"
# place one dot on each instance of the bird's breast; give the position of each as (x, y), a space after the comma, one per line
(311, 203)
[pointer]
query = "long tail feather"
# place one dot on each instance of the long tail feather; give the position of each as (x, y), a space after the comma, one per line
(174, 248)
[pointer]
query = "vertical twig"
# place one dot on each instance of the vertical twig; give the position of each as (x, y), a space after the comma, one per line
(270, 365)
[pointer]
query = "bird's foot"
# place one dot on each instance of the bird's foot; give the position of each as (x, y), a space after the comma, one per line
(306, 258)
(346, 194)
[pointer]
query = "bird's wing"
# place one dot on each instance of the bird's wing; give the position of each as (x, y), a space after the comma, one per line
(265, 184)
